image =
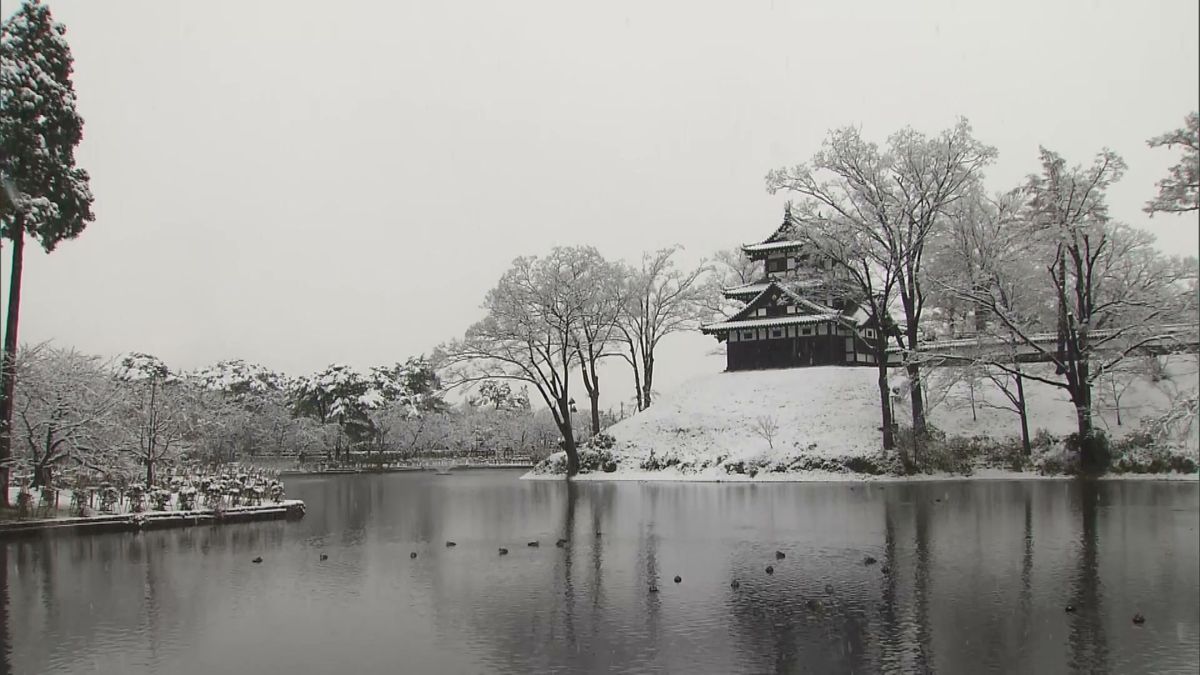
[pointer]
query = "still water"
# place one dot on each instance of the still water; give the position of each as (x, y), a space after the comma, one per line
(970, 577)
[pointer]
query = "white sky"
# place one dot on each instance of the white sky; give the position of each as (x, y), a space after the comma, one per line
(299, 183)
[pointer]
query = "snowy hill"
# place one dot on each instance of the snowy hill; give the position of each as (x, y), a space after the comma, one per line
(832, 412)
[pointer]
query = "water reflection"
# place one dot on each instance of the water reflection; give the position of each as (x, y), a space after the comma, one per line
(1089, 648)
(970, 576)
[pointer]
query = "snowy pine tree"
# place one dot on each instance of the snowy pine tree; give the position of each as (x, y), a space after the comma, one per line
(44, 194)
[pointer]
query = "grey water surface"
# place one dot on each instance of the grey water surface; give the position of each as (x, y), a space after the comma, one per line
(970, 577)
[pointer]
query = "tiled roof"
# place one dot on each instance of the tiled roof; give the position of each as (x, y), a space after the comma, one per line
(793, 320)
(800, 300)
(772, 245)
(754, 287)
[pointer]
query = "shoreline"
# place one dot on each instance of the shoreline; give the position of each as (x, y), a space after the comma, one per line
(289, 509)
(291, 473)
(822, 477)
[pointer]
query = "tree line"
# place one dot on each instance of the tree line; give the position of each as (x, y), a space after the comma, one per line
(552, 316)
(79, 417)
(913, 232)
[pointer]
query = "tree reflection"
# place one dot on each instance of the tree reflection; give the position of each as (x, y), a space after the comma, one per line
(5, 631)
(1088, 645)
(921, 583)
(568, 592)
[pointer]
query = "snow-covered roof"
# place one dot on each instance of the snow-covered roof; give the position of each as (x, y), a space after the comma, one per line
(801, 300)
(755, 287)
(752, 288)
(772, 246)
(793, 320)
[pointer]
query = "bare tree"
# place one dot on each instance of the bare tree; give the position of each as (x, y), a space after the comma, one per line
(160, 407)
(728, 268)
(897, 198)
(1111, 291)
(860, 270)
(660, 299)
(529, 334)
(987, 250)
(65, 409)
(597, 335)
(766, 427)
(1179, 192)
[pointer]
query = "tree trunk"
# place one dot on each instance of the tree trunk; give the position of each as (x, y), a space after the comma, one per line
(1023, 412)
(8, 361)
(594, 395)
(1090, 458)
(568, 435)
(885, 405)
(648, 379)
(917, 397)
(149, 473)
(637, 377)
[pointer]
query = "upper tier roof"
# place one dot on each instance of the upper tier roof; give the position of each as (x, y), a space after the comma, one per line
(784, 237)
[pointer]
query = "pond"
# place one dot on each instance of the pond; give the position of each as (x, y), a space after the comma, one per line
(970, 576)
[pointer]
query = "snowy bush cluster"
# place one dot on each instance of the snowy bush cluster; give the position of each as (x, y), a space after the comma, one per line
(234, 486)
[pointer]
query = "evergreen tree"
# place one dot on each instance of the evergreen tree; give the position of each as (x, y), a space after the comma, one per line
(45, 195)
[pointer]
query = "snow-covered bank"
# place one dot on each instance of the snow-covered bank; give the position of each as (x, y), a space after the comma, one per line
(823, 424)
(150, 520)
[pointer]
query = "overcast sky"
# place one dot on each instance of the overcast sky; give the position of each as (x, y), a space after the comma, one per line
(299, 183)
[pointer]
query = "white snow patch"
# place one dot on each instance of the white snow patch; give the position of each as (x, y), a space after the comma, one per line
(834, 412)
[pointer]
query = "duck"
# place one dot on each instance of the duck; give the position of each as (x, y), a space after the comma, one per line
(869, 560)
(503, 551)
(413, 554)
(779, 555)
(257, 560)
(678, 579)
(533, 544)
(770, 569)
(324, 557)
(734, 584)
(1069, 608)
(1139, 619)
(814, 605)
(450, 544)
(560, 543)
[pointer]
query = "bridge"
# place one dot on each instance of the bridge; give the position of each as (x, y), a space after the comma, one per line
(1163, 339)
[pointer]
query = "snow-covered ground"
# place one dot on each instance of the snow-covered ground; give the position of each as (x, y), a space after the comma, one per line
(830, 412)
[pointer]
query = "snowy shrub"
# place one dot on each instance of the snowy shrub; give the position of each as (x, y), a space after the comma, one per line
(80, 502)
(108, 498)
(1101, 450)
(601, 441)
(1043, 440)
(659, 462)
(933, 453)
(556, 463)
(24, 502)
(874, 466)
(134, 493)
(160, 499)
(187, 498)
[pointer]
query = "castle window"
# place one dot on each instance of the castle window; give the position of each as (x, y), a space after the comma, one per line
(747, 335)
(776, 332)
(870, 332)
(806, 331)
(776, 264)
